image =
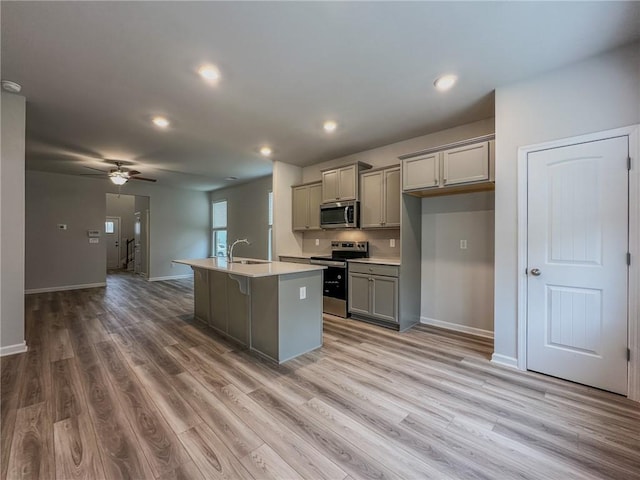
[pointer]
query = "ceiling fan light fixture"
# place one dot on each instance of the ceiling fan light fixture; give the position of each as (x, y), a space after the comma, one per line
(119, 178)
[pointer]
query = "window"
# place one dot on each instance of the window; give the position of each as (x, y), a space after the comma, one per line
(219, 228)
(270, 236)
(108, 227)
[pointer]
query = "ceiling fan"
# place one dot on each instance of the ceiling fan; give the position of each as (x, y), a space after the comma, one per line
(119, 175)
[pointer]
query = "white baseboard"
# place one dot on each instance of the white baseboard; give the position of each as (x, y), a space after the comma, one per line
(171, 277)
(504, 360)
(13, 349)
(65, 287)
(458, 328)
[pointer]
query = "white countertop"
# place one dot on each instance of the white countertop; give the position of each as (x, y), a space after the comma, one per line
(265, 269)
(378, 261)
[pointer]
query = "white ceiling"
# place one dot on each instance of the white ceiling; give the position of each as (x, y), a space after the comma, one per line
(94, 73)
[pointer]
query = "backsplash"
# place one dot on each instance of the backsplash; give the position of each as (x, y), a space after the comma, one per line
(378, 241)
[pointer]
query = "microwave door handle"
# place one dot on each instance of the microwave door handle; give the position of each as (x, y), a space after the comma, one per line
(346, 215)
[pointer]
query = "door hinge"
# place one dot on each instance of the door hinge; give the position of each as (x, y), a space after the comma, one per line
(526, 271)
(628, 163)
(628, 258)
(628, 354)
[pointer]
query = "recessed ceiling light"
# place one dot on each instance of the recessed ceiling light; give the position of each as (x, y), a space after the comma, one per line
(209, 72)
(445, 82)
(160, 122)
(330, 126)
(231, 179)
(266, 151)
(11, 87)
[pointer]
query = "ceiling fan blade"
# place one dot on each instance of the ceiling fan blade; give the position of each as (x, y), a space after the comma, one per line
(133, 172)
(93, 174)
(143, 178)
(96, 169)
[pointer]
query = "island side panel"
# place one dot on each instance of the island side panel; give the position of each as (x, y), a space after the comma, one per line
(238, 308)
(300, 320)
(201, 294)
(218, 300)
(264, 316)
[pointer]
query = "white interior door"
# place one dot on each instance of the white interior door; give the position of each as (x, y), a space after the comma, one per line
(112, 236)
(577, 242)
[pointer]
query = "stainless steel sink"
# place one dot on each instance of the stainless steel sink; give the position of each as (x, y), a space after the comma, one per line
(251, 262)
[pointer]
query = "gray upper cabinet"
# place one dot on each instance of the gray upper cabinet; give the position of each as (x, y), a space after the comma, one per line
(306, 201)
(380, 198)
(465, 166)
(341, 184)
(421, 172)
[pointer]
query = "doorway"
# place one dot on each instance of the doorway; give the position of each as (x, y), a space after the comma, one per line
(576, 307)
(132, 212)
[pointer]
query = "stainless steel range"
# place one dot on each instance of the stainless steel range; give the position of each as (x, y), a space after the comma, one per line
(335, 284)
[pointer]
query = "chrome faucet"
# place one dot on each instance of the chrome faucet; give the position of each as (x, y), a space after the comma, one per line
(230, 249)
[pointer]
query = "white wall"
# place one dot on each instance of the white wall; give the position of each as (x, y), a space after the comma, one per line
(285, 241)
(600, 93)
(179, 228)
(247, 216)
(457, 284)
(12, 209)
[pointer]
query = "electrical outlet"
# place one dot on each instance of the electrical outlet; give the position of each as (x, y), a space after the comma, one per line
(463, 244)
(303, 293)
(392, 243)
(317, 242)
(94, 240)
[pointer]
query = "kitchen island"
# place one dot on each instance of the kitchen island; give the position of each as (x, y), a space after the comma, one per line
(274, 308)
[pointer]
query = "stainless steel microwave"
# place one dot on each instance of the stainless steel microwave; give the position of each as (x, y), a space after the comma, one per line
(340, 215)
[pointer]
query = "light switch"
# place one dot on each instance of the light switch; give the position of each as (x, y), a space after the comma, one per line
(94, 240)
(463, 244)
(317, 242)
(392, 243)
(303, 293)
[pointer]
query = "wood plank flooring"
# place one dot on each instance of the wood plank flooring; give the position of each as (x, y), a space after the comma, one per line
(121, 382)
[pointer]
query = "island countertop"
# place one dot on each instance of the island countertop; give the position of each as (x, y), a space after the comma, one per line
(262, 269)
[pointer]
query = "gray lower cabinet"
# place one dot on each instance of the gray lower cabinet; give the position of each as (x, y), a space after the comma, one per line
(373, 292)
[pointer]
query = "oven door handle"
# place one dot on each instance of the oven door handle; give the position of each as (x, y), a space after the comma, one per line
(328, 263)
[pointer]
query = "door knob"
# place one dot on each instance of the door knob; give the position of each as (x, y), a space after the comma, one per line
(535, 272)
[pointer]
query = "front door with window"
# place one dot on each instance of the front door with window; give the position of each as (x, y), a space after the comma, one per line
(577, 242)
(112, 237)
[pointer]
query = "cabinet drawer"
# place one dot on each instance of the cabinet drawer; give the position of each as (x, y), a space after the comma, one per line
(374, 269)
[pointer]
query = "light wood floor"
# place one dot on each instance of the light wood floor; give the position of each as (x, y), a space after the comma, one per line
(122, 383)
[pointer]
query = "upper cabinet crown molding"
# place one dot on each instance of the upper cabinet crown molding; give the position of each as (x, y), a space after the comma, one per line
(342, 183)
(454, 168)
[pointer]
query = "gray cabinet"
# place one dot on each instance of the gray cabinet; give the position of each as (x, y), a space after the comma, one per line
(373, 292)
(306, 201)
(465, 166)
(380, 198)
(341, 184)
